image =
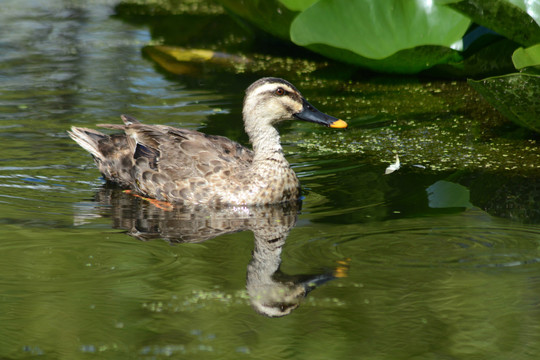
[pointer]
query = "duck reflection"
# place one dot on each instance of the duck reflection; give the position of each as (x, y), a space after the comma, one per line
(272, 293)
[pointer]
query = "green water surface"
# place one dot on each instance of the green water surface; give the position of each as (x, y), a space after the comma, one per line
(437, 260)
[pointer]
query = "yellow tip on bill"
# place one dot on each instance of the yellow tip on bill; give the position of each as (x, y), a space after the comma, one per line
(338, 124)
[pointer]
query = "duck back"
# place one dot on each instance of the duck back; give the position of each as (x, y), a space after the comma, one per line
(185, 166)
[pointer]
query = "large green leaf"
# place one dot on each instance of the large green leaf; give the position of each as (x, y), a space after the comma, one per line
(515, 19)
(515, 96)
(272, 16)
(530, 56)
(401, 36)
(531, 7)
(377, 29)
(488, 59)
(408, 61)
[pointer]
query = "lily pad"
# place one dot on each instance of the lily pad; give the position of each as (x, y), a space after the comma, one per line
(515, 19)
(484, 61)
(530, 56)
(184, 61)
(515, 96)
(408, 61)
(271, 16)
(378, 29)
(531, 7)
(397, 36)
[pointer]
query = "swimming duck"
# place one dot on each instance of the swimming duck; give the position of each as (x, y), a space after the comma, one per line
(188, 167)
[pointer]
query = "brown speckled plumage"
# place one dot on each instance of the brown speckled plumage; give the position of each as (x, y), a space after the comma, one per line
(189, 167)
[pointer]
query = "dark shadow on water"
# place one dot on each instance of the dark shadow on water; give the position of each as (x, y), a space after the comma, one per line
(272, 293)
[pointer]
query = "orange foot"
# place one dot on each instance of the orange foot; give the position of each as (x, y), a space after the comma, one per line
(163, 205)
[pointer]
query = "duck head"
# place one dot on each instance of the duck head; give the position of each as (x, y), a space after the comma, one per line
(271, 100)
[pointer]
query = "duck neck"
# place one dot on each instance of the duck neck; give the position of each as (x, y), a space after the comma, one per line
(266, 144)
(266, 257)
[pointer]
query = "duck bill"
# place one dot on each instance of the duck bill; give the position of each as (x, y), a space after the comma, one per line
(311, 114)
(315, 281)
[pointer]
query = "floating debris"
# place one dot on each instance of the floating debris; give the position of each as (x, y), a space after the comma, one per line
(185, 61)
(393, 167)
(182, 61)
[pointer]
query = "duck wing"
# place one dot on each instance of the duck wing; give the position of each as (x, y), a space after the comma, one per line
(180, 165)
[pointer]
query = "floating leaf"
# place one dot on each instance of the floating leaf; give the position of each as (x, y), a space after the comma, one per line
(184, 61)
(488, 60)
(397, 36)
(531, 7)
(275, 17)
(272, 16)
(409, 61)
(378, 29)
(530, 56)
(515, 96)
(511, 18)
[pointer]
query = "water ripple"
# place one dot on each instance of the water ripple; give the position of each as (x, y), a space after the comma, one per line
(84, 259)
(471, 239)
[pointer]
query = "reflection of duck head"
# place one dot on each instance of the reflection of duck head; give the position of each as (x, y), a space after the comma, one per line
(272, 293)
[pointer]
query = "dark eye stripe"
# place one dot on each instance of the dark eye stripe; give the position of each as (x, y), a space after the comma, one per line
(293, 95)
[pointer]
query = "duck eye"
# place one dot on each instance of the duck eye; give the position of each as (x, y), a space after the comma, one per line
(280, 91)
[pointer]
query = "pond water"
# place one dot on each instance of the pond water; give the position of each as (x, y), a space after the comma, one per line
(437, 260)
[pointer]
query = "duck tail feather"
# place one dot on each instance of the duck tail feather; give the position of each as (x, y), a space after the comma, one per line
(88, 139)
(128, 120)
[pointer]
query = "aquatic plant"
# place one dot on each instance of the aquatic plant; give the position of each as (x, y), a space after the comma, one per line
(450, 38)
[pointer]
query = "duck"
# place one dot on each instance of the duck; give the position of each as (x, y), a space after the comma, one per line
(188, 167)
